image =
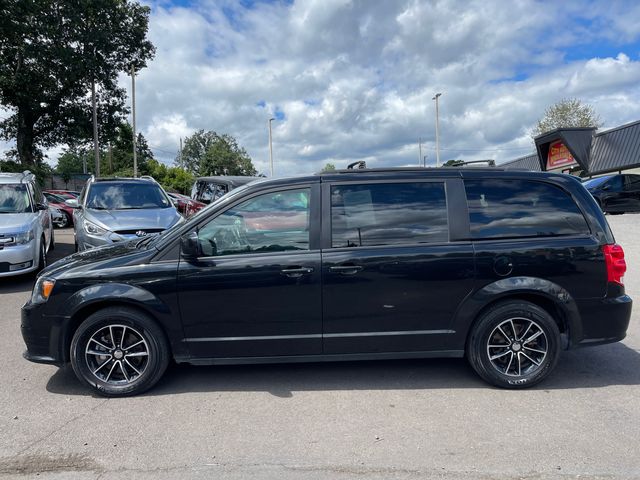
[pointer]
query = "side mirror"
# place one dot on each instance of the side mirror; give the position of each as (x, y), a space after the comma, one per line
(41, 206)
(190, 245)
(72, 202)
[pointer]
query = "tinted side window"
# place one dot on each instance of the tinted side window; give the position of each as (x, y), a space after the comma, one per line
(521, 208)
(615, 184)
(388, 214)
(632, 182)
(273, 222)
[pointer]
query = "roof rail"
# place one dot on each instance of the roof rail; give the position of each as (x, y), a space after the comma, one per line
(26, 175)
(462, 163)
(360, 164)
(148, 177)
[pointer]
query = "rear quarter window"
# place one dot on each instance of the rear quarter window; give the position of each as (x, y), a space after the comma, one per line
(512, 208)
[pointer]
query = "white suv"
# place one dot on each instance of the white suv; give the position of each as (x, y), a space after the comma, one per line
(26, 229)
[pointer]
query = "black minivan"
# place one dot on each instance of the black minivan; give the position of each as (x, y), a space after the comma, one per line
(506, 268)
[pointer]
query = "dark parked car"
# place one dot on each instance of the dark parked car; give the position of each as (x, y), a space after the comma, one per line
(208, 189)
(505, 268)
(616, 193)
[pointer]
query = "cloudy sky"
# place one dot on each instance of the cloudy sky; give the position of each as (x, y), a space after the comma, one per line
(354, 79)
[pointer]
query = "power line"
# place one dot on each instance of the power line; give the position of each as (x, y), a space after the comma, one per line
(481, 149)
(161, 150)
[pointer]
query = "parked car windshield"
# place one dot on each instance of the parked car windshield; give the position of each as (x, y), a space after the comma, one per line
(125, 196)
(14, 199)
(54, 198)
(595, 182)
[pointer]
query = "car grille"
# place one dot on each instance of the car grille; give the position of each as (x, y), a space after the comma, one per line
(135, 232)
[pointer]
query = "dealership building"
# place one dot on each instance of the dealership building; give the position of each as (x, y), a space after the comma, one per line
(583, 152)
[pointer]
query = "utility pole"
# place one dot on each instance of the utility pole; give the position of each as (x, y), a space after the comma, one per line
(270, 147)
(96, 149)
(110, 158)
(424, 161)
(133, 120)
(180, 156)
(419, 150)
(437, 130)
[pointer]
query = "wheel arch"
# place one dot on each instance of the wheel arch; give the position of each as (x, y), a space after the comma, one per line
(92, 299)
(543, 293)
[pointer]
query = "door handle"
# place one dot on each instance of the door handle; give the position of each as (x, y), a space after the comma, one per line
(346, 269)
(296, 272)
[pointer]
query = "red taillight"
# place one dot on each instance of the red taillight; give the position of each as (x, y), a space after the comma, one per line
(616, 266)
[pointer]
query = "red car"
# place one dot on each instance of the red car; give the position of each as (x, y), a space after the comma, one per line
(66, 194)
(58, 202)
(180, 201)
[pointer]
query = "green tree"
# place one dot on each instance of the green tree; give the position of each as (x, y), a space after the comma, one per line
(329, 167)
(567, 113)
(51, 51)
(453, 163)
(207, 153)
(69, 163)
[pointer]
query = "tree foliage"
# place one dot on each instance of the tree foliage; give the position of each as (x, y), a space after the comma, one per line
(453, 163)
(207, 153)
(567, 113)
(50, 53)
(329, 167)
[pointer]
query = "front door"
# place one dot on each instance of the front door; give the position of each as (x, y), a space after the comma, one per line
(392, 277)
(255, 289)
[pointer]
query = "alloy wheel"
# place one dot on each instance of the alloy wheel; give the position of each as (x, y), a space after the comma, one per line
(117, 354)
(517, 347)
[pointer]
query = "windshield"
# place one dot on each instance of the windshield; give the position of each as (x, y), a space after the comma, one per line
(207, 192)
(125, 196)
(595, 182)
(14, 199)
(53, 198)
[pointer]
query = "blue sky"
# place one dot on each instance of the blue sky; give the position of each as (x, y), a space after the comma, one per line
(353, 79)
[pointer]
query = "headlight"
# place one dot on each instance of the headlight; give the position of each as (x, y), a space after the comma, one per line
(93, 229)
(42, 290)
(23, 237)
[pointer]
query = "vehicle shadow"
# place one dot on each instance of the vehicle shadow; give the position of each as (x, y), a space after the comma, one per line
(595, 367)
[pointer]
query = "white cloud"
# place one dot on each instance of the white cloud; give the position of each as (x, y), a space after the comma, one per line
(354, 79)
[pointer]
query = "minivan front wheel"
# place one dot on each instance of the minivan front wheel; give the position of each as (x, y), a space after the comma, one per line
(515, 344)
(119, 351)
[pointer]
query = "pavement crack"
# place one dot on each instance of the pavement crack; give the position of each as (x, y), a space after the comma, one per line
(56, 430)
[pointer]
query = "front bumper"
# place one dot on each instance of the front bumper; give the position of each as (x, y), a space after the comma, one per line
(19, 259)
(43, 335)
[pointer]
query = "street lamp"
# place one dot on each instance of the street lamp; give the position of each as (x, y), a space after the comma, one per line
(270, 147)
(437, 130)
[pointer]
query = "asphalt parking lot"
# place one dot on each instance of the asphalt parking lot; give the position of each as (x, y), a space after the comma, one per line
(392, 419)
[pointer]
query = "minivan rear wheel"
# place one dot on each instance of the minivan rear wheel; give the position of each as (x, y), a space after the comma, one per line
(119, 351)
(515, 344)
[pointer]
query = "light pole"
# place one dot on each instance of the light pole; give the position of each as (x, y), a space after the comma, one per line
(419, 150)
(270, 147)
(133, 119)
(437, 130)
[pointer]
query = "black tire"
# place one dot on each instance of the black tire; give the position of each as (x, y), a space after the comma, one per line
(127, 369)
(42, 256)
(491, 351)
(65, 222)
(52, 244)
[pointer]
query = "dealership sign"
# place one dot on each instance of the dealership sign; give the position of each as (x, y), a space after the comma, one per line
(559, 156)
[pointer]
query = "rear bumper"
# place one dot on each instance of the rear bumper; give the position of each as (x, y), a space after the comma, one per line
(604, 320)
